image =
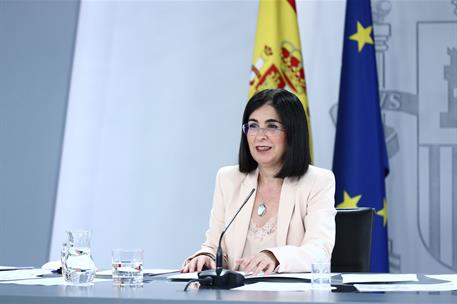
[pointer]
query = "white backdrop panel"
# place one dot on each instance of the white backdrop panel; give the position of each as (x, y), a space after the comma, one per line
(155, 107)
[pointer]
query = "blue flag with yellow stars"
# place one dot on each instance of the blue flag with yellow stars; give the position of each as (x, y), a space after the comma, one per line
(360, 159)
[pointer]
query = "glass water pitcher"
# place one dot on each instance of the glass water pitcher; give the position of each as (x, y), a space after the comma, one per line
(78, 267)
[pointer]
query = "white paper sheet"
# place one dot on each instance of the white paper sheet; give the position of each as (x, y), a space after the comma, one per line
(406, 287)
(378, 277)
(52, 265)
(271, 286)
(22, 274)
(306, 275)
(46, 281)
(444, 277)
(184, 276)
(7, 268)
(146, 271)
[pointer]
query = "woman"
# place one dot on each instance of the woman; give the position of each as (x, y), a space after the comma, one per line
(290, 223)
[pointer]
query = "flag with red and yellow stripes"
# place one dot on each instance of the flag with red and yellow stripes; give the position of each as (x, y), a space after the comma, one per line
(278, 61)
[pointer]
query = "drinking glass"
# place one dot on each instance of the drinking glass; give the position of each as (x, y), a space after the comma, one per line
(127, 267)
(320, 275)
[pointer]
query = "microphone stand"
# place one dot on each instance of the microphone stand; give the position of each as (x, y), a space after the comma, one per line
(221, 278)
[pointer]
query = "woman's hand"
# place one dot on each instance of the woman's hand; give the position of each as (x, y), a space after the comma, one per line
(198, 263)
(264, 261)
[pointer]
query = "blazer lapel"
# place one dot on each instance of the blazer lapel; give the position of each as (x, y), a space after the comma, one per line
(286, 207)
(241, 223)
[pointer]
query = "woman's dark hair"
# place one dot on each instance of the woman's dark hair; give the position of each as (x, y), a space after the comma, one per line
(296, 158)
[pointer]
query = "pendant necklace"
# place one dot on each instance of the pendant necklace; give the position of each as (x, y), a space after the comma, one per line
(262, 209)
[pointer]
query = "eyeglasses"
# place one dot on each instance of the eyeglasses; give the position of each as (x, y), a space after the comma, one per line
(252, 129)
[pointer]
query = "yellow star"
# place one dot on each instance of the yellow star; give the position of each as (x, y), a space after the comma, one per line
(362, 36)
(383, 212)
(349, 202)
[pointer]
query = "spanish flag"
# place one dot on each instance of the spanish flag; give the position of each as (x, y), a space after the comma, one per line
(278, 60)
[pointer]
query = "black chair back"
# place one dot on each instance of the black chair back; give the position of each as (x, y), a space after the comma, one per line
(352, 251)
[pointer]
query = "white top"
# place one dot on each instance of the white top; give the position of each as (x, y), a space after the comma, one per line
(260, 238)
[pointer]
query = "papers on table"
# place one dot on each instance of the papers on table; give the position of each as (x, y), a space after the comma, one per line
(52, 265)
(22, 274)
(38, 281)
(290, 275)
(34, 277)
(273, 276)
(449, 286)
(146, 272)
(6, 268)
(46, 281)
(158, 271)
(444, 277)
(378, 277)
(184, 276)
(392, 277)
(271, 286)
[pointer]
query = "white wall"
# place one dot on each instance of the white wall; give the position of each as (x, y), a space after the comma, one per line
(158, 90)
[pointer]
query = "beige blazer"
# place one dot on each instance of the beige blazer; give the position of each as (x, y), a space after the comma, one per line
(306, 218)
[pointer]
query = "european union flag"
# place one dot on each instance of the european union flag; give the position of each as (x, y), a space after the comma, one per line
(360, 159)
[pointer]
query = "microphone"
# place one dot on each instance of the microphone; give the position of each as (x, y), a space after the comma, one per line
(222, 278)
